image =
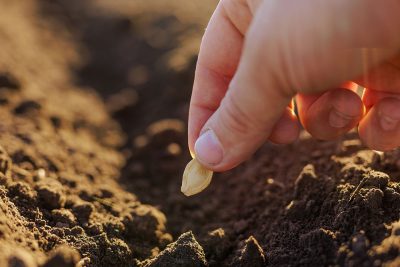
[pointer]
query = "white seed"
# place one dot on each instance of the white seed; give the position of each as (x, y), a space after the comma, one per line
(195, 178)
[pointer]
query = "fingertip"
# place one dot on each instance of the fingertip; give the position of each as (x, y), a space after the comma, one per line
(380, 128)
(346, 111)
(331, 114)
(198, 116)
(347, 102)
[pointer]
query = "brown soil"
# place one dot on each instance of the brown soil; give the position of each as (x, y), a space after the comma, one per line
(93, 105)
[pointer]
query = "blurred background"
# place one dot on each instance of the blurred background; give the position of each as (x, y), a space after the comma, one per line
(144, 49)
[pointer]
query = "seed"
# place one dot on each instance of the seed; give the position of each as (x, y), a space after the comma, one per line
(195, 178)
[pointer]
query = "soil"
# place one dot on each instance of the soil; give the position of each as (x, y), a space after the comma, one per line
(93, 105)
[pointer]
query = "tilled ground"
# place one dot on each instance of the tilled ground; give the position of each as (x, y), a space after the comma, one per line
(93, 104)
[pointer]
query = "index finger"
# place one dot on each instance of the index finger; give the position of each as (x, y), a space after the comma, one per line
(219, 55)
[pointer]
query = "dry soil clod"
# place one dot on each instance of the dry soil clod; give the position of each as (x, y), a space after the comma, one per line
(196, 178)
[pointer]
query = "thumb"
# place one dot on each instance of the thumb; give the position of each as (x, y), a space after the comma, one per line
(240, 125)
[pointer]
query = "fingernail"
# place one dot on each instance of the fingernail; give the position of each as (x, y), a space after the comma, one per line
(208, 148)
(388, 123)
(338, 119)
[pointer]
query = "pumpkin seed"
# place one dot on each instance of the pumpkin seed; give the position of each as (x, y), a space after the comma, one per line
(195, 178)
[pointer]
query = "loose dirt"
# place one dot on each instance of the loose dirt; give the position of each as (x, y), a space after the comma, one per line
(93, 106)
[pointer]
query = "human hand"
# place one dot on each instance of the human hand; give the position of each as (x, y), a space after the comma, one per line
(267, 52)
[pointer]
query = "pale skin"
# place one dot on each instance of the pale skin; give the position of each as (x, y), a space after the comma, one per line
(257, 55)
